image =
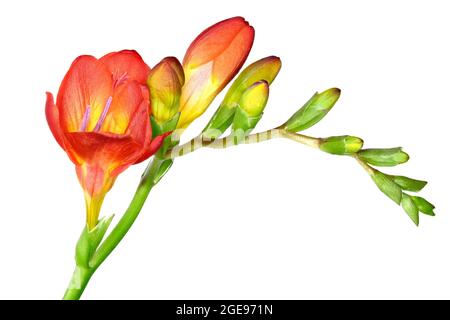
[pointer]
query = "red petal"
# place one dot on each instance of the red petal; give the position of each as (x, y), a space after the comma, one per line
(52, 115)
(127, 62)
(215, 40)
(128, 105)
(96, 182)
(87, 82)
(152, 147)
(139, 126)
(107, 151)
(227, 65)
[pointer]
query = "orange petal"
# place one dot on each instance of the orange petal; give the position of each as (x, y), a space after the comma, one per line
(96, 182)
(211, 61)
(126, 62)
(52, 115)
(126, 101)
(107, 151)
(139, 127)
(152, 147)
(213, 41)
(165, 82)
(87, 83)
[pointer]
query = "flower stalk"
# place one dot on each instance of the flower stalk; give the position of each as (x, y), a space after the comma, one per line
(83, 274)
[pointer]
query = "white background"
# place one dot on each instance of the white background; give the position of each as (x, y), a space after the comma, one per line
(274, 220)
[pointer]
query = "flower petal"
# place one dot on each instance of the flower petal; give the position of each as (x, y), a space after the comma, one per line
(126, 62)
(107, 151)
(211, 61)
(213, 41)
(127, 104)
(87, 83)
(165, 82)
(152, 147)
(52, 115)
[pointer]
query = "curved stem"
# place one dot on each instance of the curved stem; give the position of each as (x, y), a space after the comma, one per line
(82, 275)
(146, 184)
(229, 141)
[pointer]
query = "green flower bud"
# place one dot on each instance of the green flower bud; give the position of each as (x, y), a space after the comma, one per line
(341, 145)
(250, 109)
(410, 208)
(384, 157)
(423, 205)
(387, 186)
(312, 111)
(265, 69)
(409, 184)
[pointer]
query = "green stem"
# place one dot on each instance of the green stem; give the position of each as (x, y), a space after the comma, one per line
(82, 275)
(78, 283)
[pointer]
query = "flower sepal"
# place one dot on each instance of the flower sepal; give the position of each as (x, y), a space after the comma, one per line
(265, 69)
(89, 241)
(159, 129)
(312, 111)
(243, 124)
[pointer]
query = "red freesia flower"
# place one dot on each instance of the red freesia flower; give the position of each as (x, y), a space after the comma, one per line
(211, 61)
(102, 121)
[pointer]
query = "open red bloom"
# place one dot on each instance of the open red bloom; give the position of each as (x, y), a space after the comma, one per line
(102, 120)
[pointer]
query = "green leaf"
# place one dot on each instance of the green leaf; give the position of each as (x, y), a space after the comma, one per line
(312, 111)
(423, 205)
(90, 240)
(409, 184)
(341, 145)
(387, 186)
(384, 157)
(410, 208)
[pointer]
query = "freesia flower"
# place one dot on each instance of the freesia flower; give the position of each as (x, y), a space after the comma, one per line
(211, 61)
(102, 121)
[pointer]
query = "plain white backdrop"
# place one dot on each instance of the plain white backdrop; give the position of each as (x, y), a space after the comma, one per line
(273, 220)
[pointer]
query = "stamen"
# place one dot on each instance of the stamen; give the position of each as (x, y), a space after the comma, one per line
(103, 115)
(121, 79)
(85, 120)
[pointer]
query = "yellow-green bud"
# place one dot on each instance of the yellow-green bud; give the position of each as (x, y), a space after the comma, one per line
(165, 82)
(341, 145)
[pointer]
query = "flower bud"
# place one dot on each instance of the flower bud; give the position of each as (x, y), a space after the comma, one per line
(254, 99)
(423, 205)
(250, 109)
(313, 111)
(410, 208)
(341, 145)
(387, 186)
(384, 157)
(165, 82)
(409, 184)
(211, 61)
(265, 69)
